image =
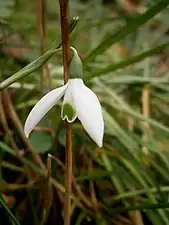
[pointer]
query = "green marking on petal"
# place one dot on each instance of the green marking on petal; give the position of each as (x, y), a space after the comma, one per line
(68, 112)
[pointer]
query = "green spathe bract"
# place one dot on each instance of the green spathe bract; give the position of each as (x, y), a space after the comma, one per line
(76, 67)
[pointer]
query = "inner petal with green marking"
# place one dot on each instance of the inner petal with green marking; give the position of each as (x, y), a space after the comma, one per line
(68, 112)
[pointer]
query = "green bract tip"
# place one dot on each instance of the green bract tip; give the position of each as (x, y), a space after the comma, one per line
(76, 67)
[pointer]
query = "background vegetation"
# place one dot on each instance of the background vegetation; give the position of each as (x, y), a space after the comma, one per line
(124, 48)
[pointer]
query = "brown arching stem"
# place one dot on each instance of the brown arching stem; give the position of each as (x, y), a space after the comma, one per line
(65, 30)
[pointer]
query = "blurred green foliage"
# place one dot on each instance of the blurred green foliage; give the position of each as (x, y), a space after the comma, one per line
(124, 49)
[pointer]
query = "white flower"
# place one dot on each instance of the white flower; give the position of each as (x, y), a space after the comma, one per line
(79, 101)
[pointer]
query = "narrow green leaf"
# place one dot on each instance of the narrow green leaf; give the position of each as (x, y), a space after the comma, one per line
(134, 193)
(36, 64)
(94, 175)
(141, 207)
(11, 216)
(6, 148)
(126, 30)
(127, 62)
(81, 217)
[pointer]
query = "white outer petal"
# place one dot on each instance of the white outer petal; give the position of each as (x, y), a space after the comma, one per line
(42, 107)
(88, 111)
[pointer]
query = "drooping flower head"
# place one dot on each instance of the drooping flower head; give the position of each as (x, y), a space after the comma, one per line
(79, 102)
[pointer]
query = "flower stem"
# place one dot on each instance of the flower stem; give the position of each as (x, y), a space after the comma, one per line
(68, 175)
(65, 30)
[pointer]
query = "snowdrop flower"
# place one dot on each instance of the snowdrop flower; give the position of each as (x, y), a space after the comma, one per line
(79, 102)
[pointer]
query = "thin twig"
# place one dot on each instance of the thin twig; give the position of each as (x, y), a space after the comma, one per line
(5, 126)
(146, 113)
(40, 18)
(64, 19)
(14, 187)
(81, 195)
(145, 99)
(48, 192)
(92, 190)
(42, 32)
(17, 123)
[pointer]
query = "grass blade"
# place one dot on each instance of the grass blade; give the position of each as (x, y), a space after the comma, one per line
(126, 30)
